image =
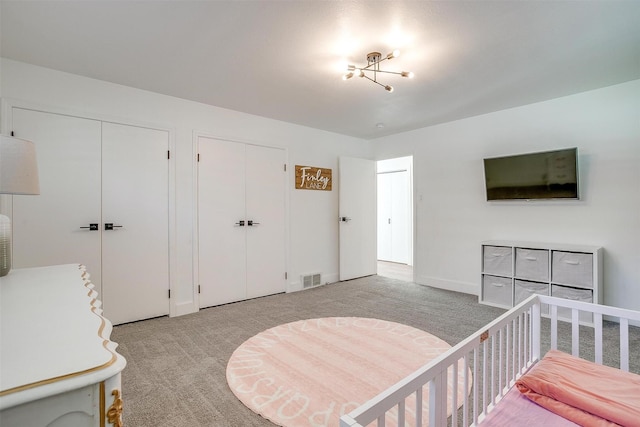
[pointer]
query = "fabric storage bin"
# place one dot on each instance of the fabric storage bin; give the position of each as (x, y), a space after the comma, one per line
(572, 268)
(497, 260)
(497, 290)
(584, 295)
(532, 264)
(523, 290)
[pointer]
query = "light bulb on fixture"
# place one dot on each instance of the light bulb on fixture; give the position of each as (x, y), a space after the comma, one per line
(393, 54)
(373, 68)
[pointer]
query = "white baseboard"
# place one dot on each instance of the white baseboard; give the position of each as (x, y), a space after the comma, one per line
(450, 285)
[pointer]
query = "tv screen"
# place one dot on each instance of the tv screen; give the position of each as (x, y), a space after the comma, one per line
(545, 175)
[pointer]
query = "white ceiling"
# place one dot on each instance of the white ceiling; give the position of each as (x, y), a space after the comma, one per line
(284, 59)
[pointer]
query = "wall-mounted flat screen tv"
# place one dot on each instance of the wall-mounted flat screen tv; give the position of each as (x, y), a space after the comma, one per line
(545, 175)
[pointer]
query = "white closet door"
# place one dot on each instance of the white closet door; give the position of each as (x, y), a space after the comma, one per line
(394, 217)
(265, 201)
(221, 207)
(384, 217)
(135, 254)
(46, 228)
(400, 217)
(358, 206)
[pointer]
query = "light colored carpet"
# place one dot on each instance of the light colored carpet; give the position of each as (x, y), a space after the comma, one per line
(310, 372)
(176, 367)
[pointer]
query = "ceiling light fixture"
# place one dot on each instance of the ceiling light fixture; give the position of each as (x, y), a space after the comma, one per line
(373, 67)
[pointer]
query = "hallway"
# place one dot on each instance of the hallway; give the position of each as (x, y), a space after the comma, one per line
(395, 270)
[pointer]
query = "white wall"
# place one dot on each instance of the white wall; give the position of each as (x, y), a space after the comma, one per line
(313, 242)
(453, 216)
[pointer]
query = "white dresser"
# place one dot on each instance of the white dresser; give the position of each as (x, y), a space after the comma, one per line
(513, 270)
(58, 367)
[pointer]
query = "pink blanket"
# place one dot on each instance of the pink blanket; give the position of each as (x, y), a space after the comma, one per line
(583, 392)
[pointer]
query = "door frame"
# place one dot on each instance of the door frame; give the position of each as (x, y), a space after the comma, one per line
(196, 135)
(412, 204)
(6, 202)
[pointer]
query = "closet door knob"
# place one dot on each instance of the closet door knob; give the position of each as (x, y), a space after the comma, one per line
(250, 223)
(110, 226)
(92, 227)
(240, 223)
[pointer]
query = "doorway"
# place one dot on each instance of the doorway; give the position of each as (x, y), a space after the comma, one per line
(395, 218)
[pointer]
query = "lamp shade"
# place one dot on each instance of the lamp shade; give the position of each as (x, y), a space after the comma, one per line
(18, 166)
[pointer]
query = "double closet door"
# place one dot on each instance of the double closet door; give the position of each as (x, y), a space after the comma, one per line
(241, 221)
(103, 203)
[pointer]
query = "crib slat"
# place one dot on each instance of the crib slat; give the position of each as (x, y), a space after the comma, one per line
(485, 380)
(437, 395)
(493, 370)
(514, 348)
(508, 355)
(575, 332)
(624, 344)
(597, 323)
(401, 409)
(501, 362)
(520, 342)
(535, 331)
(475, 385)
(554, 327)
(454, 397)
(465, 408)
(442, 409)
(381, 422)
(525, 340)
(418, 407)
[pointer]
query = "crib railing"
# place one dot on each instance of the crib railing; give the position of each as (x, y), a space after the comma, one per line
(487, 363)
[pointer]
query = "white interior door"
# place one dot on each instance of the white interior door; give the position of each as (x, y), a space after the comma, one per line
(47, 228)
(92, 173)
(265, 201)
(400, 217)
(357, 200)
(221, 207)
(395, 210)
(135, 200)
(384, 217)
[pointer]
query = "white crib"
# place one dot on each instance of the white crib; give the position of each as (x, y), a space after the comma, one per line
(492, 359)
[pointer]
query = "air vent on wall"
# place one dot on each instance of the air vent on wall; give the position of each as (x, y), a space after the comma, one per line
(311, 280)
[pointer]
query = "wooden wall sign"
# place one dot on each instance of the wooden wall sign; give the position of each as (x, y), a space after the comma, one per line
(312, 178)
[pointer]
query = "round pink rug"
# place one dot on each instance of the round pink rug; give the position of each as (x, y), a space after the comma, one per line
(310, 372)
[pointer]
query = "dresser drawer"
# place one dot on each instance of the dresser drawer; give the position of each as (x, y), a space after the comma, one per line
(583, 295)
(497, 290)
(532, 264)
(497, 260)
(572, 268)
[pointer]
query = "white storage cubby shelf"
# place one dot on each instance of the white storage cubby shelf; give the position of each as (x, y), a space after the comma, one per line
(512, 271)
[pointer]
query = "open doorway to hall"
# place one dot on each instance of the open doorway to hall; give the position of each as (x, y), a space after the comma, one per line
(395, 218)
